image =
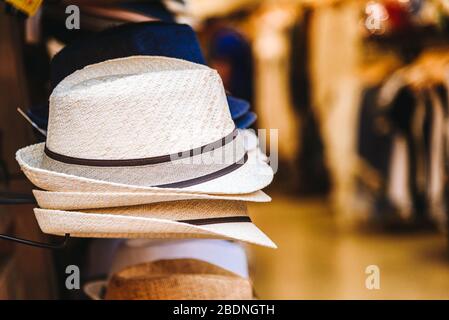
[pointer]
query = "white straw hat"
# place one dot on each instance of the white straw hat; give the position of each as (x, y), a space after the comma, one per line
(143, 123)
(219, 219)
(92, 200)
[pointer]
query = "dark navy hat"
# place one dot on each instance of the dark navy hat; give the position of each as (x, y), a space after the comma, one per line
(246, 120)
(238, 107)
(146, 38)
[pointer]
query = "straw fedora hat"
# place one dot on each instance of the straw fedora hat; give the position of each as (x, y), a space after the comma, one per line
(109, 257)
(143, 124)
(219, 219)
(177, 279)
(91, 200)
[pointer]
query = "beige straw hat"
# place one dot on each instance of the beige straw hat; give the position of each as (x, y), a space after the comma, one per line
(219, 219)
(178, 279)
(92, 200)
(143, 124)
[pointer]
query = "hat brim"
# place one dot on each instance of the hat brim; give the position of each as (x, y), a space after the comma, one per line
(87, 225)
(249, 177)
(246, 120)
(40, 120)
(252, 143)
(91, 200)
(94, 289)
(237, 107)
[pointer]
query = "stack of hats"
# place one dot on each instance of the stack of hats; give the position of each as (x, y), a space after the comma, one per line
(145, 147)
(144, 142)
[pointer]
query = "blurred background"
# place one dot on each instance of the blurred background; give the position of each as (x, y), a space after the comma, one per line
(358, 91)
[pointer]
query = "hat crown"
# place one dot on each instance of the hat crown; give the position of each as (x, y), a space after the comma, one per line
(174, 279)
(137, 107)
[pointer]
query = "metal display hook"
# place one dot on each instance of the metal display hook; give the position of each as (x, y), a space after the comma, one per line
(10, 198)
(37, 244)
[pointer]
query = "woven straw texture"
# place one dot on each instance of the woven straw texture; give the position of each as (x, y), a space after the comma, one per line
(91, 200)
(137, 107)
(179, 279)
(157, 174)
(154, 221)
(179, 210)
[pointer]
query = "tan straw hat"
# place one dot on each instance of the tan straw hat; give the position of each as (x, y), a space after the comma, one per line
(92, 200)
(220, 219)
(178, 279)
(143, 124)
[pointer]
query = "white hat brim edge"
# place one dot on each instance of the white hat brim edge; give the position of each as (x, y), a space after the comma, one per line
(93, 200)
(93, 289)
(246, 179)
(86, 225)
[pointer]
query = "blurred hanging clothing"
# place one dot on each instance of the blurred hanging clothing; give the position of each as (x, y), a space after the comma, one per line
(313, 174)
(273, 102)
(334, 57)
(418, 115)
(382, 174)
(438, 186)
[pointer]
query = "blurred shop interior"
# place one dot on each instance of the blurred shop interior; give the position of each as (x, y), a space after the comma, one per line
(358, 91)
